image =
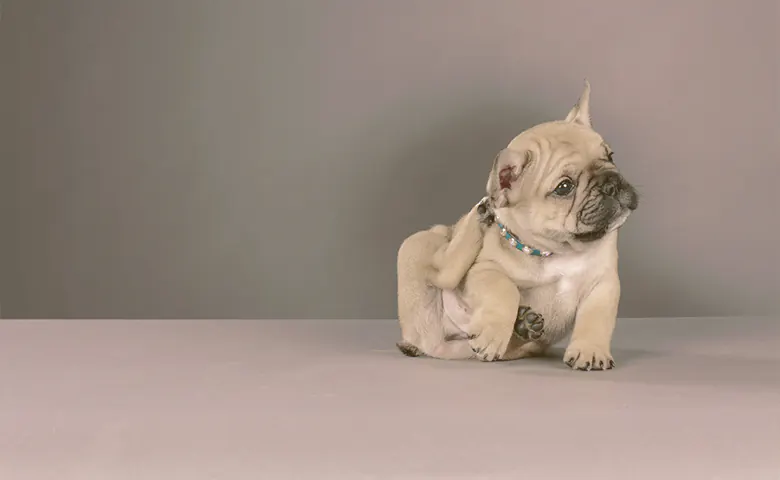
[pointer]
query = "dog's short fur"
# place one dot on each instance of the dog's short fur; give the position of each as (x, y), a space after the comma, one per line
(460, 287)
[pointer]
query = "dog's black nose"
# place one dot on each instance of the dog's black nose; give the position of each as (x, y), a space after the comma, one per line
(613, 185)
(610, 184)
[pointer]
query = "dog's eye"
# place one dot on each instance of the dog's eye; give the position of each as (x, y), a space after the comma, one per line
(564, 188)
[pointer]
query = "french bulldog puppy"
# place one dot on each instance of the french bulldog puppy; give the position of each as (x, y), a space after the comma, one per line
(532, 263)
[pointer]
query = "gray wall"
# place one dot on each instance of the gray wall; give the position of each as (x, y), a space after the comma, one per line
(258, 159)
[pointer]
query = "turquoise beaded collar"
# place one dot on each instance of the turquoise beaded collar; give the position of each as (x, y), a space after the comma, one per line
(515, 242)
(489, 216)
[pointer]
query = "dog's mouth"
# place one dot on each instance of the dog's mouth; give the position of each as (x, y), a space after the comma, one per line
(617, 216)
(608, 209)
(607, 225)
(599, 233)
(592, 236)
(620, 219)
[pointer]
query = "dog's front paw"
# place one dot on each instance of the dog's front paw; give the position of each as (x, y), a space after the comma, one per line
(491, 344)
(582, 355)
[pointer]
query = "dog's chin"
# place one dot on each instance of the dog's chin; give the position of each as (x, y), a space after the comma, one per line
(619, 220)
(591, 236)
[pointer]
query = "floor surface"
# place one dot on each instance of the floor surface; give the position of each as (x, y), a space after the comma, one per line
(114, 400)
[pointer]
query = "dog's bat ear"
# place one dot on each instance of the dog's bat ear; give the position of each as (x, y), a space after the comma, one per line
(507, 168)
(581, 111)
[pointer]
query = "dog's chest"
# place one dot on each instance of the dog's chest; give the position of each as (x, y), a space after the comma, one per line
(565, 271)
(562, 283)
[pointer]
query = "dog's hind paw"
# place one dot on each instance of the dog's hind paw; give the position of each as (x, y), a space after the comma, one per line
(408, 349)
(529, 324)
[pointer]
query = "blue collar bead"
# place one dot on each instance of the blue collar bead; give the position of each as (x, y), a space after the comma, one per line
(515, 242)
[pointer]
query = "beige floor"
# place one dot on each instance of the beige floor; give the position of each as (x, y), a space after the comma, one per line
(191, 400)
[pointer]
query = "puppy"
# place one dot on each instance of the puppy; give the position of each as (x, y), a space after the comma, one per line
(532, 263)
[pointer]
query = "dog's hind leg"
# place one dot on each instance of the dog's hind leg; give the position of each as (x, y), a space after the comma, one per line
(420, 309)
(453, 350)
(408, 349)
(446, 350)
(453, 258)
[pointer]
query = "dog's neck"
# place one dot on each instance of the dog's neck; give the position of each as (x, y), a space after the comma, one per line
(489, 217)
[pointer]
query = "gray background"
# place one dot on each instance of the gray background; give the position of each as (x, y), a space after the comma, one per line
(264, 159)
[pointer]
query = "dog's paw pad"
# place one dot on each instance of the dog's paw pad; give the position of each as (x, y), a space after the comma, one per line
(529, 324)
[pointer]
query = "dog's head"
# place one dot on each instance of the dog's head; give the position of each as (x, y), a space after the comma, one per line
(558, 184)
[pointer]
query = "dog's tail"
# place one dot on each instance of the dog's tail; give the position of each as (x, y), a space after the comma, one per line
(453, 259)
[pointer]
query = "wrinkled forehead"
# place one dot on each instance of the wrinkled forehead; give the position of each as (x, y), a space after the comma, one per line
(562, 139)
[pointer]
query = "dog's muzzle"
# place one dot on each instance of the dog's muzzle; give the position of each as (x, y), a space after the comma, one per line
(615, 187)
(608, 208)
